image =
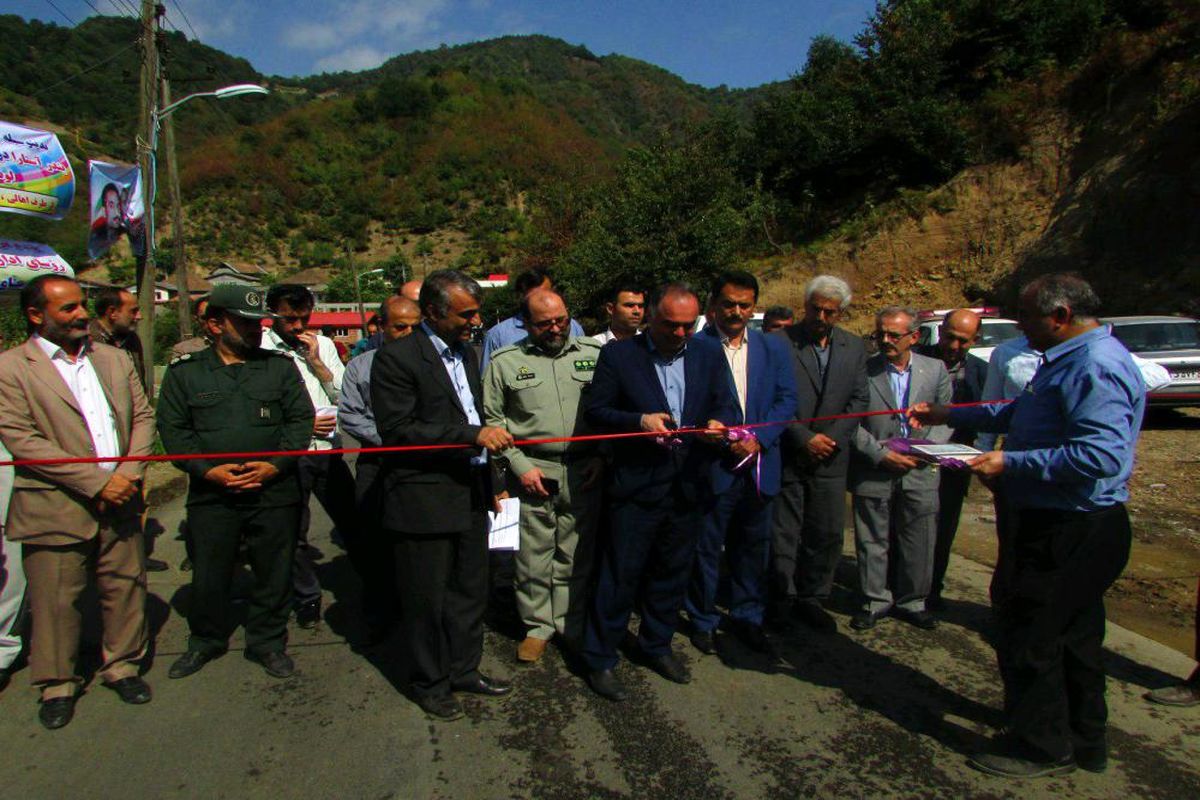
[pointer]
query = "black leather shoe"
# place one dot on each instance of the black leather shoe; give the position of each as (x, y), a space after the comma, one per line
(1092, 759)
(56, 712)
(604, 683)
(488, 687)
(921, 619)
(308, 614)
(1010, 767)
(754, 637)
(670, 668)
(441, 706)
(705, 642)
(132, 690)
(935, 603)
(156, 565)
(5, 677)
(189, 663)
(815, 617)
(863, 621)
(277, 663)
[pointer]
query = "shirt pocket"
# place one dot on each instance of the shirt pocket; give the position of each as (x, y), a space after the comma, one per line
(266, 405)
(209, 411)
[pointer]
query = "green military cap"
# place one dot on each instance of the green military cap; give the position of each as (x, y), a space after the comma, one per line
(239, 300)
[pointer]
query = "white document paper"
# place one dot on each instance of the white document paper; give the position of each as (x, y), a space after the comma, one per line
(504, 529)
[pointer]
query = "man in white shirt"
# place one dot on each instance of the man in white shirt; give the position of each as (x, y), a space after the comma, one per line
(12, 581)
(626, 307)
(325, 476)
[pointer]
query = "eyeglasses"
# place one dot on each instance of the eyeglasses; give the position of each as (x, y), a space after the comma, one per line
(893, 336)
(547, 324)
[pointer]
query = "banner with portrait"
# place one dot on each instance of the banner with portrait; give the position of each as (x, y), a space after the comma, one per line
(36, 178)
(21, 262)
(116, 208)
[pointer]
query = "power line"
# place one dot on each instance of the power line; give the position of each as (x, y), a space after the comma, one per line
(60, 11)
(188, 22)
(93, 5)
(85, 70)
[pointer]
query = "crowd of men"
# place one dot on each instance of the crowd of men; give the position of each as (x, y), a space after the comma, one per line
(645, 460)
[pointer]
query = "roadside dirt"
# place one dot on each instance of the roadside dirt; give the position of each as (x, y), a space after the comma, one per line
(1156, 595)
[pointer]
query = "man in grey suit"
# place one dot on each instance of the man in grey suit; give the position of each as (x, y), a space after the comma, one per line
(895, 498)
(810, 510)
(958, 333)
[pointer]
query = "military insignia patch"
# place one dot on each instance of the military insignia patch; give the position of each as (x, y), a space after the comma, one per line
(525, 374)
(585, 365)
(177, 359)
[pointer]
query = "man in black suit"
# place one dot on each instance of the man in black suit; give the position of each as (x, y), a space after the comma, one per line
(426, 390)
(655, 382)
(810, 511)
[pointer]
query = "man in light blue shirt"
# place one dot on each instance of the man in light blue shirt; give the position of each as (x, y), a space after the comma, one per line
(512, 330)
(1064, 468)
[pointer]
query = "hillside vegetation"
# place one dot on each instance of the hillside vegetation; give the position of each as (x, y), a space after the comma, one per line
(951, 149)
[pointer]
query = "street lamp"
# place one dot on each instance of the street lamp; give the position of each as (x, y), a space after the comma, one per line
(150, 189)
(362, 315)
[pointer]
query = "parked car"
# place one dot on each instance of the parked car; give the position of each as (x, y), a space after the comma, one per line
(1174, 343)
(993, 329)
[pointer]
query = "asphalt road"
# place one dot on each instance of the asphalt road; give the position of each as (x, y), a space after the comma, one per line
(889, 713)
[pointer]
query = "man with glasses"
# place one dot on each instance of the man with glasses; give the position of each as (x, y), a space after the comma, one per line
(895, 497)
(398, 316)
(327, 477)
(533, 389)
(810, 511)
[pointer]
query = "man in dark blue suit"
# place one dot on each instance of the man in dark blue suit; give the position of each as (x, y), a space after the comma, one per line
(748, 476)
(655, 382)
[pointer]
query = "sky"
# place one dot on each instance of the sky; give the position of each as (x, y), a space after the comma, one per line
(739, 43)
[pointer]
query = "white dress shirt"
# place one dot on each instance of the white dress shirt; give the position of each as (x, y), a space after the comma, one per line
(321, 394)
(81, 378)
(738, 358)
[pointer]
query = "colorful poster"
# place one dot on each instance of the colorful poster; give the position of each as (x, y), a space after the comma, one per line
(117, 207)
(21, 262)
(35, 175)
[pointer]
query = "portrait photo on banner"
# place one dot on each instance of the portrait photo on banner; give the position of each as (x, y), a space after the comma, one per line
(116, 208)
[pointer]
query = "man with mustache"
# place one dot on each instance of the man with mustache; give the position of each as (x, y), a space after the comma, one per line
(63, 396)
(236, 397)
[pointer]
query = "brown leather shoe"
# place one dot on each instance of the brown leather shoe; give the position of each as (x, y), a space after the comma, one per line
(531, 649)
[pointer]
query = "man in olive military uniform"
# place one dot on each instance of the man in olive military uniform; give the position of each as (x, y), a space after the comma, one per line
(236, 397)
(533, 389)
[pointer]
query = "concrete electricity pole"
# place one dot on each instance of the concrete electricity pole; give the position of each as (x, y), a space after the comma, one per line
(146, 127)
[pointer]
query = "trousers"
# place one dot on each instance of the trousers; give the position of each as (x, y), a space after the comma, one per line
(894, 540)
(807, 536)
(329, 480)
(952, 490)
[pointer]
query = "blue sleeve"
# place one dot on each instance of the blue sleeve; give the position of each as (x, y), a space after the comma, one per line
(576, 328)
(602, 396)
(1098, 438)
(993, 418)
(354, 411)
(784, 402)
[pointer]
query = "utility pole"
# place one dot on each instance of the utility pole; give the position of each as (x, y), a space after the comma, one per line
(184, 306)
(147, 122)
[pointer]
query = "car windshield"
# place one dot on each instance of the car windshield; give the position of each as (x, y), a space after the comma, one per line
(1157, 337)
(993, 333)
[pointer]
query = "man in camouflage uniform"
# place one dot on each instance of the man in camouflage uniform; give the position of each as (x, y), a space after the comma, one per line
(533, 389)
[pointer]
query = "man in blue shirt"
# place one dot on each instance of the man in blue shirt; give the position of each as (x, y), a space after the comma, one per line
(1065, 467)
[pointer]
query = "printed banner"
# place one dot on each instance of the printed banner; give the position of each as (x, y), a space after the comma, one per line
(21, 262)
(35, 175)
(117, 208)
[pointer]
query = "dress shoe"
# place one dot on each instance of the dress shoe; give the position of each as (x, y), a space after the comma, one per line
(189, 663)
(156, 565)
(921, 619)
(754, 637)
(185, 565)
(1092, 759)
(863, 620)
(488, 687)
(815, 617)
(531, 649)
(935, 603)
(705, 642)
(5, 677)
(1011, 767)
(670, 668)
(276, 663)
(441, 706)
(604, 683)
(56, 712)
(308, 614)
(132, 690)
(1181, 695)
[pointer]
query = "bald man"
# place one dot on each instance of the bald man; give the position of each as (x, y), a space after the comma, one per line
(956, 336)
(372, 560)
(411, 290)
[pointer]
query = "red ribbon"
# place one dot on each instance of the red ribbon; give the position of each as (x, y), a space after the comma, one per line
(595, 437)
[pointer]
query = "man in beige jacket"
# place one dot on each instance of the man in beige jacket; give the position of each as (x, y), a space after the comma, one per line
(62, 396)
